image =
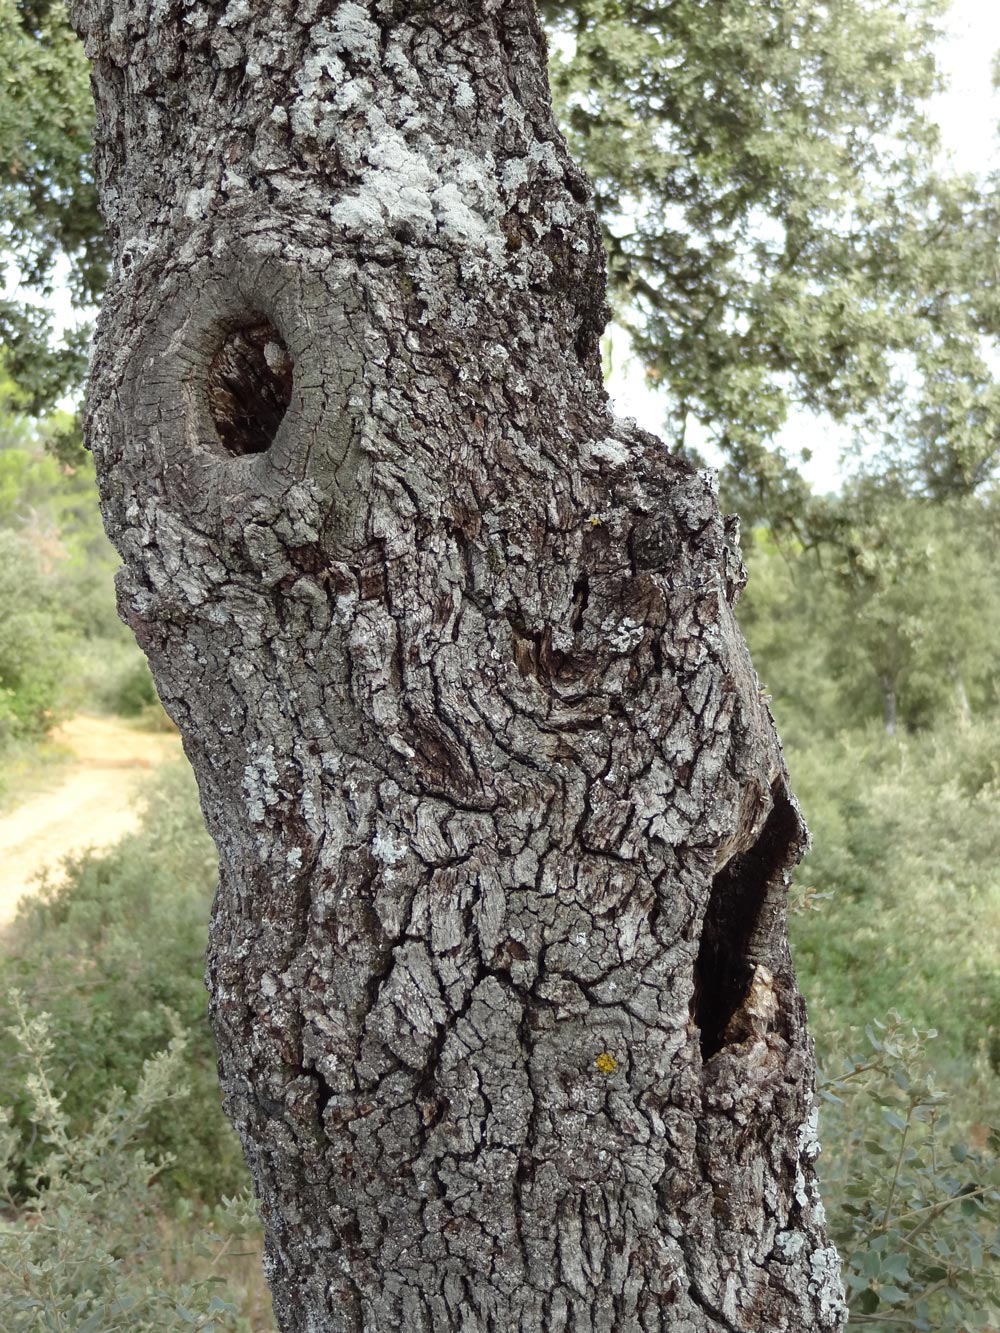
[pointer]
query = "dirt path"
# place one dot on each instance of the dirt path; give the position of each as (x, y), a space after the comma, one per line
(95, 803)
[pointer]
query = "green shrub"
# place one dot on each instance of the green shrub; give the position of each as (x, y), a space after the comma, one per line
(84, 1250)
(115, 678)
(135, 693)
(106, 955)
(34, 645)
(112, 676)
(913, 1209)
(906, 846)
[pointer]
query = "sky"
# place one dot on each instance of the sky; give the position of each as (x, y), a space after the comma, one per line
(968, 114)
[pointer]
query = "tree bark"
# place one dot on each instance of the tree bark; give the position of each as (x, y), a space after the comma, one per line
(887, 686)
(498, 965)
(962, 706)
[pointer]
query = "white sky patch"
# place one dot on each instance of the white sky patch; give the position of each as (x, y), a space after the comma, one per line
(969, 111)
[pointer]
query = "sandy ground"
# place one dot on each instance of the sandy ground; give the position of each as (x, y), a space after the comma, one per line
(95, 803)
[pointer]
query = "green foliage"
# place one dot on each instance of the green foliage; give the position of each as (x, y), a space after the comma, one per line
(778, 234)
(906, 840)
(913, 1208)
(755, 169)
(899, 600)
(34, 646)
(45, 498)
(914, 590)
(48, 201)
(109, 956)
(83, 1251)
(133, 693)
(63, 646)
(778, 227)
(782, 615)
(781, 232)
(902, 882)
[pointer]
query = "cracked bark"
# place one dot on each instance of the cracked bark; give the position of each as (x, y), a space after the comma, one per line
(498, 967)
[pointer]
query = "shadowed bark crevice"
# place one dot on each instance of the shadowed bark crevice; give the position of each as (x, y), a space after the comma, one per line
(581, 599)
(729, 953)
(249, 386)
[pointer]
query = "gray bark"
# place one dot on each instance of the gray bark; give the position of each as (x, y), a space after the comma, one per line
(498, 965)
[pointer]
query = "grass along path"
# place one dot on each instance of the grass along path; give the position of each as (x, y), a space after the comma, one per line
(95, 803)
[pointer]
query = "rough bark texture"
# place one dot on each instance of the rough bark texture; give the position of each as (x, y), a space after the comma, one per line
(498, 963)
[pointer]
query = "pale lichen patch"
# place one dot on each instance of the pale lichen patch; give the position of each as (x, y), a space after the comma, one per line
(465, 98)
(354, 34)
(260, 783)
(456, 196)
(384, 849)
(611, 451)
(825, 1285)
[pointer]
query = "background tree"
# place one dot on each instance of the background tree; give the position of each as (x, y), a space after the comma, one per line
(895, 612)
(780, 230)
(506, 1016)
(48, 202)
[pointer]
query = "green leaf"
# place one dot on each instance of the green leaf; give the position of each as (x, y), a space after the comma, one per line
(868, 1301)
(897, 1266)
(891, 1295)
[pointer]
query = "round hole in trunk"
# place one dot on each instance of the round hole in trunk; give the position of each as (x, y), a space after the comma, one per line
(249, 386)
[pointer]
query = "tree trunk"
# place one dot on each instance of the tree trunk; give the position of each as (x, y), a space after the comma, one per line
(961, 695)
(888, 689)
(498, 964)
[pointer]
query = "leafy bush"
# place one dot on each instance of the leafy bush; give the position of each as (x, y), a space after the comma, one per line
(34, 646)
(906, 845)
(900, 600)
(107, 955)
(913, 1208)
(134, 691)
(114, 677)
(57, 605)
(83, 1251)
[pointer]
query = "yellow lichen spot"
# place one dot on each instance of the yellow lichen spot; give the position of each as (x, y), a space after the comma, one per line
(595, 521)
(606, 1063)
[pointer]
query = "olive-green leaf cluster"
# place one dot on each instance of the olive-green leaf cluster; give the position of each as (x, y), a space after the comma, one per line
(84, 1250)
(779, 228)
(48, 201)
(913, 1208)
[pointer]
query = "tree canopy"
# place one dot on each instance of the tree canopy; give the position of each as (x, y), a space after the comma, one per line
(780, 229)
(48, 204)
